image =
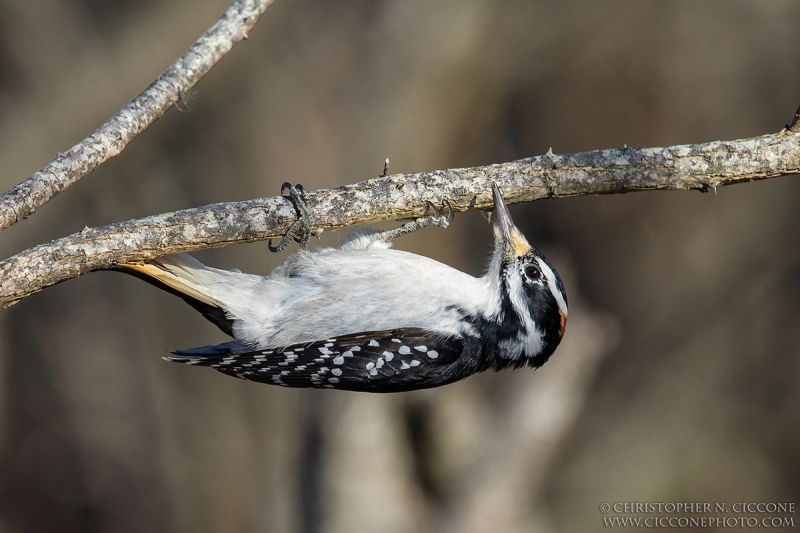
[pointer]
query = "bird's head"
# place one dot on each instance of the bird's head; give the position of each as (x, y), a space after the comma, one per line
(532, 312)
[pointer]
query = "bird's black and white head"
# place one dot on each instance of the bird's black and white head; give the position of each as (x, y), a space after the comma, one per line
(531, 316)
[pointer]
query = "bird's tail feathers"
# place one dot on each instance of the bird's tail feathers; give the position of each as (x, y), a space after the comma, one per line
(181, 272)
(188, 278)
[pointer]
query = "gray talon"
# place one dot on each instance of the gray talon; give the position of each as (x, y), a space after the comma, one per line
(304, 225)
(436, 212)
(437, 219)
(451, 213)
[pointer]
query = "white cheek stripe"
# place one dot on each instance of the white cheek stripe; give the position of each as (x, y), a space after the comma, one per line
(551, 283)
(531, 343)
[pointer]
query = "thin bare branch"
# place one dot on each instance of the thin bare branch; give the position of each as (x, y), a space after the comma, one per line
(113, 136)
(699, 166)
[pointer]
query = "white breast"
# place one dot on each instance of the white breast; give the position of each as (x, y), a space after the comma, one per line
(334, 292)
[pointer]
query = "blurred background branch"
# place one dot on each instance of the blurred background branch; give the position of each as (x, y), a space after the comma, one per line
(113, 136)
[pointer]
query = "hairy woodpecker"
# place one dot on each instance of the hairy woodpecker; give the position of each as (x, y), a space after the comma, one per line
(365, 317)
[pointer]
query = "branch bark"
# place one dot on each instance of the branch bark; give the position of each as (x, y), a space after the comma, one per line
(151, 104)
(700, 166)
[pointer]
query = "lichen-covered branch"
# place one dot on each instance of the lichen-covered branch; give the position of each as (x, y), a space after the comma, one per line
(113, 136)
(699, 166)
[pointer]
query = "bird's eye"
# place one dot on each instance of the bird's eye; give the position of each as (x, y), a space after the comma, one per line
(533, 272)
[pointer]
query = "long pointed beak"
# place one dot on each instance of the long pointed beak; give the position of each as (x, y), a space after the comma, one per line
(514, 242)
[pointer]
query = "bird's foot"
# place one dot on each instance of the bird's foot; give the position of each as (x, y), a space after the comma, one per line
(303, 227)
(436, 219)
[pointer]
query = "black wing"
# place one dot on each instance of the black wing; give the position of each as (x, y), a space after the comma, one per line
(376, 361)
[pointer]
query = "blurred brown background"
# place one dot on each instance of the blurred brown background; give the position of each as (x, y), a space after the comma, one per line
(678, 379)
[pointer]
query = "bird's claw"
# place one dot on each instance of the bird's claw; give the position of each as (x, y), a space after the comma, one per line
(303, 227)
(437, 219)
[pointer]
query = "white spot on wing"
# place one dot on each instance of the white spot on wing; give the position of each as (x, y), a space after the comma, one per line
(405, 350)
(421, 348)
(433, 354)
(373, 342)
